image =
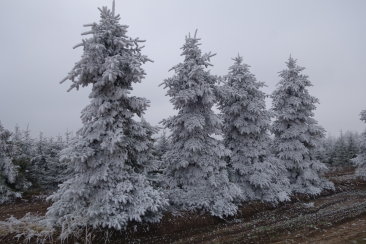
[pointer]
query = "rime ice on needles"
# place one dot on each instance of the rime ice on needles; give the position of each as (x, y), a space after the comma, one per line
(245, 125)
(8, 171)
(21, 154)
(196, 170)
(360, 160)
(297, 134)
(46, 169)
(162, 145)
(108, 188)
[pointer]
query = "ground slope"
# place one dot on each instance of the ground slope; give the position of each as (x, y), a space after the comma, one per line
(334, 217)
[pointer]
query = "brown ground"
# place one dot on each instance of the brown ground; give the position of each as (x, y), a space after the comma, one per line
(334, 217)
(21, 207)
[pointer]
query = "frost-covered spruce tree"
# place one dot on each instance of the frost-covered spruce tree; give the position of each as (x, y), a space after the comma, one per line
(245, 125)
(162, 145)
(21, 154)
(297, 133)
(58, 171)
(360, 160)
(47, 171)
(196, 171)
(150, 150)
(340, 151)
(155, 170)
(8, 171)
(39, 163)
(109, 187)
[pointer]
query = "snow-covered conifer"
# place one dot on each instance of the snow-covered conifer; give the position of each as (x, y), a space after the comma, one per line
(21, 154)
(353, 141)
(60, 170)
(155, 170)
(149, 154)
(8, 171)
(297, 133)
(360, 160)
(196, 171)
(326, 150)
(245, 125)
(162, 145)
(340, 151)
(47, 171)
(109, 187)
(39, 163)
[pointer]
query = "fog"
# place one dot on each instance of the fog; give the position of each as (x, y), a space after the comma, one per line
(326, 37)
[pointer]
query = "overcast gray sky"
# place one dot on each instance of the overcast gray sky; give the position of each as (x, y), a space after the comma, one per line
(327, 37)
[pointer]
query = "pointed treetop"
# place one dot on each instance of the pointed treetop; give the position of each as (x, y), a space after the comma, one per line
(195, 34)
(291, 63)
(238, 59)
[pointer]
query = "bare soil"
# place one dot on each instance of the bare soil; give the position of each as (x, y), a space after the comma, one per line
(333, 217)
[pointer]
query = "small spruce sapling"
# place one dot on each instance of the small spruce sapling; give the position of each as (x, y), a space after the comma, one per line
(360, 160)
(8, 171)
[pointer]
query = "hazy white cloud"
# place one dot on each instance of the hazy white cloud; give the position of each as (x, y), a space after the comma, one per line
(327, 37)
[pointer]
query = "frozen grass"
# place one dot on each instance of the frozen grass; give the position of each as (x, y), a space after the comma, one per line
(30, 227)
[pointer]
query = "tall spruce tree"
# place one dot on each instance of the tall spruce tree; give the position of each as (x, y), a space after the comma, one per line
(8, 171)
(196, 171)
(297, 133)
(246, 125)
(108, 188)
(360, 160)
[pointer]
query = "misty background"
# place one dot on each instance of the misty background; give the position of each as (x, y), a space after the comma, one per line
(327, 37)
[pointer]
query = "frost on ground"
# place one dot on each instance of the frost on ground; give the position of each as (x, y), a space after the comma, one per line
(304, 220)
(308, 205)
(30, 227)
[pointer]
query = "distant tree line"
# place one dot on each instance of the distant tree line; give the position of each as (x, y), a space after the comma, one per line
(341, 150)
(30, 165)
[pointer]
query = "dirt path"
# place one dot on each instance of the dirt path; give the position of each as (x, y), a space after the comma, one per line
(334, 218)
(311, 222)
(353, 231)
